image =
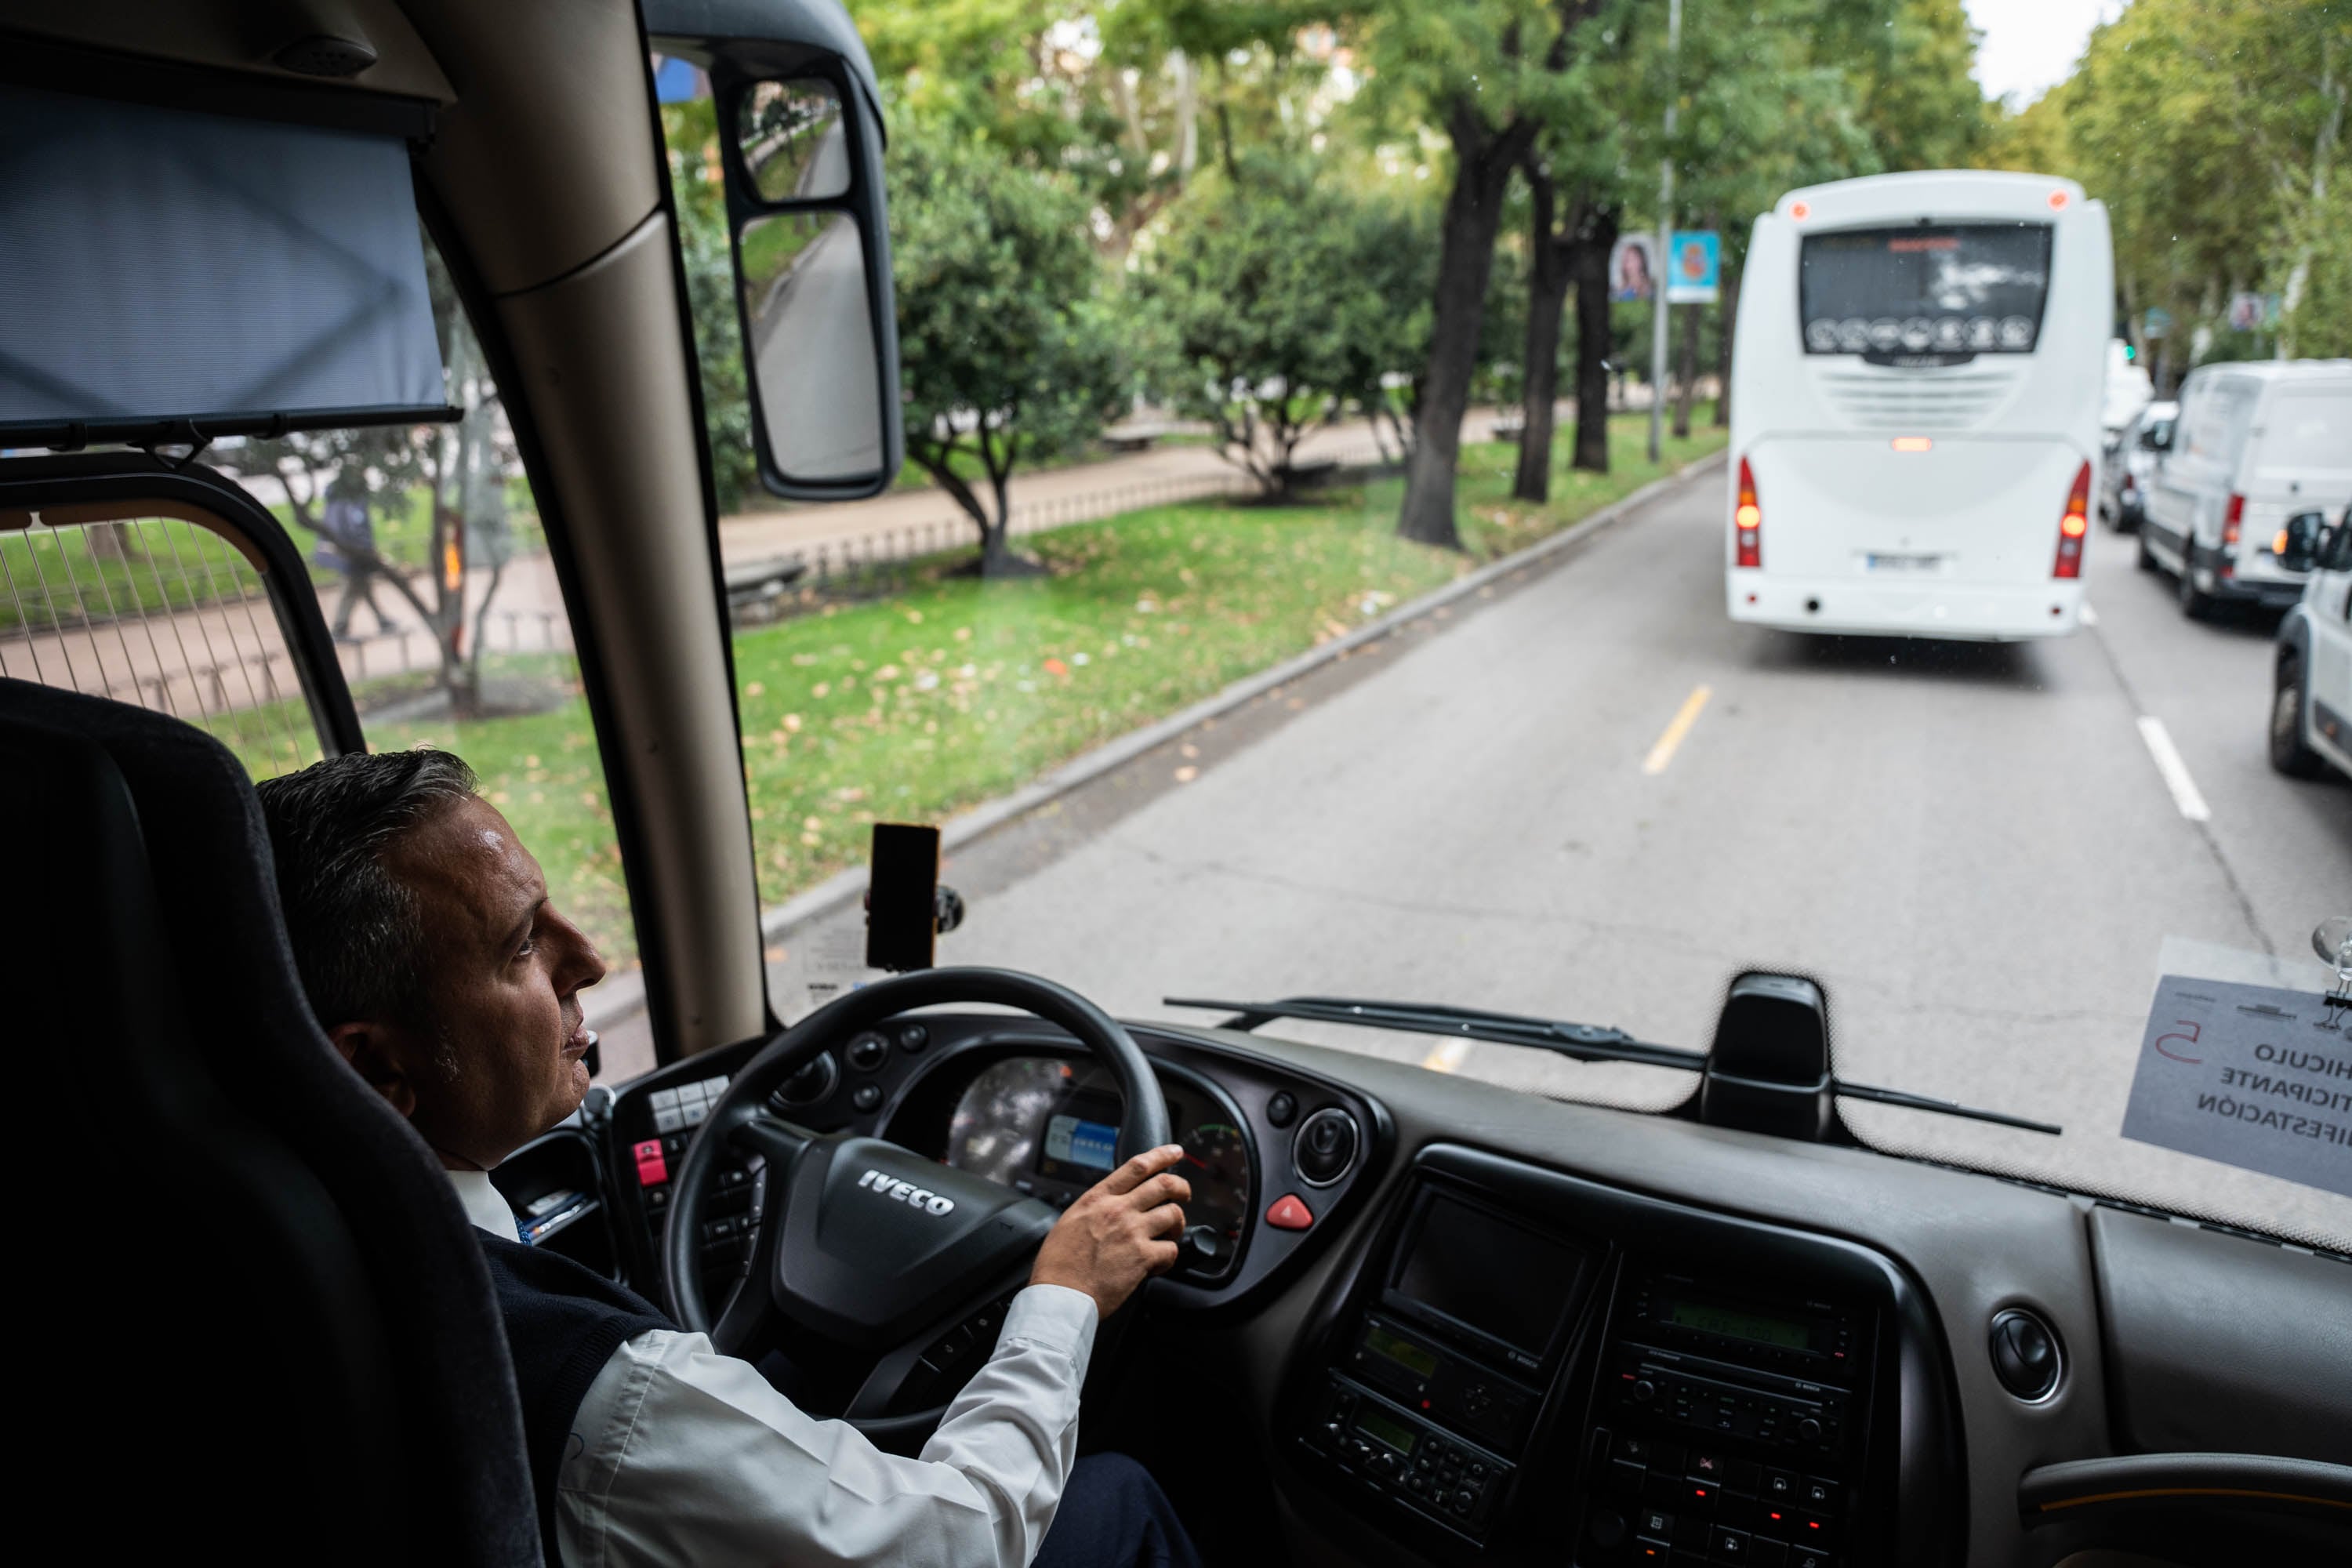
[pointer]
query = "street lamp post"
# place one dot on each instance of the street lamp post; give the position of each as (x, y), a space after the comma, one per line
(1664, 269)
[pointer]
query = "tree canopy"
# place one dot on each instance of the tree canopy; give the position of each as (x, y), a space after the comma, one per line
(1005, 350)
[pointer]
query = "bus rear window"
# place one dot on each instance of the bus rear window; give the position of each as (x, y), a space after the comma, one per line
(1953, 289)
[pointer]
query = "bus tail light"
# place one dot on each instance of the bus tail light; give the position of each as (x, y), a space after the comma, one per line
(2233, 521)
(2075, 523)
(1749, 519)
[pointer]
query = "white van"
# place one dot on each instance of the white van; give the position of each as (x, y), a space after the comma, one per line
(2311, 691)
(1918, 379)
(2254, 445)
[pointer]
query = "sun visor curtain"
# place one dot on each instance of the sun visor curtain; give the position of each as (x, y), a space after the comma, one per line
(164, 273)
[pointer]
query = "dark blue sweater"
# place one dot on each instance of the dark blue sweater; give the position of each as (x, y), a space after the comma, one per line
(563, 1322)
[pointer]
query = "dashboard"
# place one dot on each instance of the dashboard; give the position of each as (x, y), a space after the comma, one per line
(1435, 1321)
(1048, 1127)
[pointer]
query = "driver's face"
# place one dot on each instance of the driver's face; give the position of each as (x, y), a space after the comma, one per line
(498, 1061)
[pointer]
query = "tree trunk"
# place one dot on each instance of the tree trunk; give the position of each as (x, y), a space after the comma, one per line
(1594, 239)
(1465, 265)
(1723, 346)
(1546, 299)
(1686, 368)
(112, 542)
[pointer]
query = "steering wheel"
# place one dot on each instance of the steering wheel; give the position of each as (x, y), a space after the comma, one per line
(874, 1250)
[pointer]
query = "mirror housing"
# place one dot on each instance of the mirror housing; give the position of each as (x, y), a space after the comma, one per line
(2332, 550)
(2298, 543)
(801, 139)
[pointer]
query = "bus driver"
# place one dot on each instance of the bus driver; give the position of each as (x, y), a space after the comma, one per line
(441, 971)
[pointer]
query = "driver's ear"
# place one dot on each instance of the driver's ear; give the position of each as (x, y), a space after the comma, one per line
(370, 1049)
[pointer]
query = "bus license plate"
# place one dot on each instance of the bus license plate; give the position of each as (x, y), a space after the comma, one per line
(1911, 565)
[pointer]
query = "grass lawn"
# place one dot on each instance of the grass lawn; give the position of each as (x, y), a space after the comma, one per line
(918, 706)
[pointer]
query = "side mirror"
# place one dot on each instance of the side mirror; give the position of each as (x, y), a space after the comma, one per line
(800, 132)
(2334, 551)
(2298, 545)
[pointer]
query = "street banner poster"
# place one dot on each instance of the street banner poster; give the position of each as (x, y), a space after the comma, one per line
(1633, 264)
(2253, 1076)
(1697, 267)
(2251, 312)
(2155, 322)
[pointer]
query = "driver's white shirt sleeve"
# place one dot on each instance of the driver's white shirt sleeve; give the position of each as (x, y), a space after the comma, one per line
(680, 1455)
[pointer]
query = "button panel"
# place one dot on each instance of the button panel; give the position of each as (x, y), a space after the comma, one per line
(1395, 1454)
(1807, 1418)
(1657, 1502)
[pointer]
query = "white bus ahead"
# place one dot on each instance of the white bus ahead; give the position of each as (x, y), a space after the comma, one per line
(1916, 395)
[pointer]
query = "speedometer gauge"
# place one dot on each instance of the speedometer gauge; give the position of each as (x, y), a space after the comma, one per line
(1216, 1161)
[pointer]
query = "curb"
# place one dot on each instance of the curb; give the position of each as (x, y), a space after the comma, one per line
(847, 885)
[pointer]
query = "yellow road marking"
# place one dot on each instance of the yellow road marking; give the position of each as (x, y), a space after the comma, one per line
(1676, 728)
(1445, 1058)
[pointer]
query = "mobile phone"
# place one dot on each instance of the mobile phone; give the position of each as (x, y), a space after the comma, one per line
(902, 897)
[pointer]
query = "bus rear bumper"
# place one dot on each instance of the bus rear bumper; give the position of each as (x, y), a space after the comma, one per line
(1958, 611)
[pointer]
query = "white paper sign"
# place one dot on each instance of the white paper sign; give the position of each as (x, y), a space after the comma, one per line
(2249, 1074)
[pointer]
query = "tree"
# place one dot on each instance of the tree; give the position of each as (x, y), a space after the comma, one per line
(1257, 289)
(1582, 149)
(1005, 350)
(2211, 128)
(1916, 98)
(1488, 73)
(1394, 244)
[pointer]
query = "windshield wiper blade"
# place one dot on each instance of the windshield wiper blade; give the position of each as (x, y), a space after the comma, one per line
(1584, 1042)
(1943, 1107)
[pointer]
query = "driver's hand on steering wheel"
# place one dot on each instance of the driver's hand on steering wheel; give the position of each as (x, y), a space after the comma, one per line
(1119, 1232)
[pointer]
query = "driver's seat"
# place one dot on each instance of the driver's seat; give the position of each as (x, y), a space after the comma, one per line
(269, 1331)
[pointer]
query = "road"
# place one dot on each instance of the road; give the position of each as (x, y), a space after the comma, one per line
(1971, 846)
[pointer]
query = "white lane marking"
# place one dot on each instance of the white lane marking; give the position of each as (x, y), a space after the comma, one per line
(1448, 1056)
(1676, 728)
(2088, 616)
(2176, 773)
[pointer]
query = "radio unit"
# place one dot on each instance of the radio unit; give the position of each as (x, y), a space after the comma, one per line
(1730, 1428)
(1431, 1390)
(1395, 1453)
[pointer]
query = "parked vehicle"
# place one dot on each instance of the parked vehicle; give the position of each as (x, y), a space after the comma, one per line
(1916, 397)
(2133, 458)
(2311, 694)
(2254, 445)
(2129, 389)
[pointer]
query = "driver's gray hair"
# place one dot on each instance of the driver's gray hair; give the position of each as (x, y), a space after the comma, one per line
(357, 933)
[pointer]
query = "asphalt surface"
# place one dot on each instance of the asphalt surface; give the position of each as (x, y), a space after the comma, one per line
(1972, 848)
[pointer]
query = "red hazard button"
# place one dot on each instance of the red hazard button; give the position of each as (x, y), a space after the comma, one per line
(1289, 1214)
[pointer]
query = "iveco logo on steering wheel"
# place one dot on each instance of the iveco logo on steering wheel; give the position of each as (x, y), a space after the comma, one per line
(890, 1186)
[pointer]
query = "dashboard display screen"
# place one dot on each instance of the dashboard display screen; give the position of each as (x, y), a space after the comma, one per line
(1710, 1318)
(1395, 1433)
(1078, 1149)
(1042, 1124)
(1413, 1357)
(1487, 1274)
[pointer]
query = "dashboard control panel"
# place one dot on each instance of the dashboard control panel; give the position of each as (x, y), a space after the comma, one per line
(1431, 1392)
(1394, 1453)
(1728, 1424)
(1273, 1153)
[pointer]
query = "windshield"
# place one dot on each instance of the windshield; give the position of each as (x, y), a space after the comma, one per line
(1323, 567)
(1974, 287)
